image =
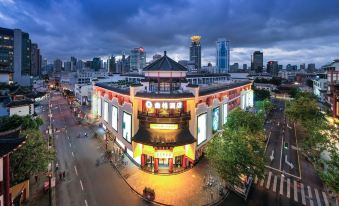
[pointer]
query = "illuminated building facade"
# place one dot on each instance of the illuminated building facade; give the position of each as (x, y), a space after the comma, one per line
(164, 121)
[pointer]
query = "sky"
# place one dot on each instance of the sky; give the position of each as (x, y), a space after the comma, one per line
(289, 31)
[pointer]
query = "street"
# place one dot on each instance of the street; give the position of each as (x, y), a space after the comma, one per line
(86, 183)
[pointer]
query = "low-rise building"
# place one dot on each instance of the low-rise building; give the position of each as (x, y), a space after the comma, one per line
(320, 88)
(262, 86)
(332, 97)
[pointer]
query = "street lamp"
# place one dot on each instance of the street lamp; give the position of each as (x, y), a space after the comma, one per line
(50, 188)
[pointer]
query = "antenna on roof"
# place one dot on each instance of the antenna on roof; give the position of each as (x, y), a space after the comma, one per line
(165, 53)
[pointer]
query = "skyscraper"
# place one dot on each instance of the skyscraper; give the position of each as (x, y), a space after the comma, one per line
(73, 64)
(57, 65)
(195, 51)
(272, 68)
(111, 65)
(137, 60)
(96, 63)
(257, 63)
(15, 53)
(223, 55)
(35, 60)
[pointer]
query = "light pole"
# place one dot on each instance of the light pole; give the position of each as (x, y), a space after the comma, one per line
(50, 188)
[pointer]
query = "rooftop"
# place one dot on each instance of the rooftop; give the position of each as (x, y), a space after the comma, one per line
(220, 87)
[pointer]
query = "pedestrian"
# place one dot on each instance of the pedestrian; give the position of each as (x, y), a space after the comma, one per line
(63, 175)
(60, 175)
(56, 166)
(36, 178)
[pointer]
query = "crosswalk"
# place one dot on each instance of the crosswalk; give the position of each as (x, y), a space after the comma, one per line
(292, 189)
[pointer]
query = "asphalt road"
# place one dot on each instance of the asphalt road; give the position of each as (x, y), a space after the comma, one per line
(86, 183)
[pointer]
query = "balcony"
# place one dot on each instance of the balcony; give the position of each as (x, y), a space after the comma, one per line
(178, 117)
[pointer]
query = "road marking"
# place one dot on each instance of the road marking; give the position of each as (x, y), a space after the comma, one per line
(282, 185)
(269, 180)
(275, 183)
(303, 200)
(325, 199)
(268, 140)
(262, 182)
(76, 171)
(86, 203)
(285, 173)
(317, 196)
(70, 145)
(82, 187)
(295, 191)
(310, 195)
(296, 141)
(72, 154)
(288, 188)
(281, 151)
(67, 137)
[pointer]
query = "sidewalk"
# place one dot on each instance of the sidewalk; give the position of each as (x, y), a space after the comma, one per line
(187, 188)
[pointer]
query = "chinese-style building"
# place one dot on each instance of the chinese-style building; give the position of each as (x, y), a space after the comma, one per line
(164, 121)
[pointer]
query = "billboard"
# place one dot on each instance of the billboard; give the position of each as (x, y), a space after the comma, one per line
(127, 126)
(106, 111)
(115, 118)
(99, 106)
(215, 119)
(202, 132)
(224, 113)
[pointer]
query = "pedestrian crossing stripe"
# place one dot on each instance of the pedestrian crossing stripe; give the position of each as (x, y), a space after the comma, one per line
(308, 195)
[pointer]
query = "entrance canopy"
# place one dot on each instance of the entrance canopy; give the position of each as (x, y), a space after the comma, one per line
(163, 137)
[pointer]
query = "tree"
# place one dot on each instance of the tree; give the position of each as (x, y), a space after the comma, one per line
(293, 92)
(239, 149)
(309, 82)
(238, 118)
(265, 105)
(331, 175)
(235, 153)
(26, 122)
(261, 94)
(32, 158)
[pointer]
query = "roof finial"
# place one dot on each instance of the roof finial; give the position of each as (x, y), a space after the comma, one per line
(165, 53)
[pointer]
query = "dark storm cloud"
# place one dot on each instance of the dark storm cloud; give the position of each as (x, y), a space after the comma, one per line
(285, 30)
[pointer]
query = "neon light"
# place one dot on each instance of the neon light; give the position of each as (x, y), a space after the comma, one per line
(164, 126)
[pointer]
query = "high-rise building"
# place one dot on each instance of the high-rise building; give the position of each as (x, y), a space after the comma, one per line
(15, 53)
(244, 67)
(195, 51)
(73, 64)
(137, 60)
(234, 67)
(156, 57)
(80, 65)
(67, 66)
(44, 63)
(311, 67)
(35, 60)
(272, 68)
(111, 65)
(302, 66)
(96, 63)
(280, 67)
(57, 65)
(257, 63)
(223, 55)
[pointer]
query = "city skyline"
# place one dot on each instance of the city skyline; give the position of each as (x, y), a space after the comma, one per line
(84, 29)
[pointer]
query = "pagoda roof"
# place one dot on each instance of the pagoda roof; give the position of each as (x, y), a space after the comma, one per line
(165, 64)
(10, 141)
(20, 91)
(18, 103)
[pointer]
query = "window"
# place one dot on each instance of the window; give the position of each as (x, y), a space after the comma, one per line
(127, 127)
(225, 110)
(202, 132)
(115, 118)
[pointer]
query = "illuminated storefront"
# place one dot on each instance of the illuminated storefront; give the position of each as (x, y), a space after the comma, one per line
(164, 122)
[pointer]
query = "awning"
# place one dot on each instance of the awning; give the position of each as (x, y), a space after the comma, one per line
(161, 138)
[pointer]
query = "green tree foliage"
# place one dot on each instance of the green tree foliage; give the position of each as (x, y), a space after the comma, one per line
(317, 138)
(309, 83)
(265, 105)
(237, 118)
(261, 94)
(331, 175)
(239, 149)
(32, 158)
(26, 122)
(293, 92)
(274, 80)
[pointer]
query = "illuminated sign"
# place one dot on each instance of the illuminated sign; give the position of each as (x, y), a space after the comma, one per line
(215, 119)
(163, 154)
(164, 126)
(163, 105)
